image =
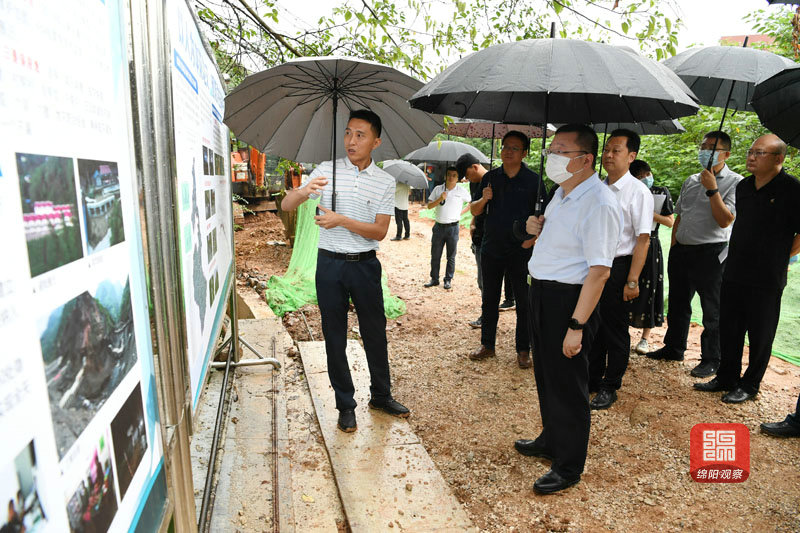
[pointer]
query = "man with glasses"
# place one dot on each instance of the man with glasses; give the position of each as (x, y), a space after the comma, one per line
(578, 237)
(705, 211)
(764, 236)
(608, 359)
(507, 194)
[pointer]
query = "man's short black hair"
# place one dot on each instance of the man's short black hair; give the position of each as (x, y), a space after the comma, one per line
(526, 143)
(638, 168)
(464, 162)
(723, 139)
(369, 116)
(633, 140)
(450, 169)
(587, 138)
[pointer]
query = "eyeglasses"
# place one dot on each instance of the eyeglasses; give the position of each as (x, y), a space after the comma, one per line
(514, 149)
(759, 153)
(548, 151)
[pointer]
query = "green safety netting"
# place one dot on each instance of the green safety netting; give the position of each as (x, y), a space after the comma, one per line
(465, 220)
(296, 288)
(787, 339)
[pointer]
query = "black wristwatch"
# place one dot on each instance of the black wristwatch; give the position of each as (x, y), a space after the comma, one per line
(574, 324)
(711, 192)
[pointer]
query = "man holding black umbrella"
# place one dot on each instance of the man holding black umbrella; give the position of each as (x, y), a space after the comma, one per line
(347, 267)
(608, 359)
(507, 194)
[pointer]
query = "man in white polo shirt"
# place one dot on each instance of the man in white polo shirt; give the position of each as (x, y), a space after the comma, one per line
(571, 261)
(448, 199)
(346, 264)
(608, 360)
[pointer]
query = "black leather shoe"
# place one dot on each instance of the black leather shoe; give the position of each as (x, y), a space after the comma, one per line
(779, 429)
(528, 448)
(738, 395)
(476, 324)
(347, 420)
(431, 283)
(390, 406)
(553, 482)
(604, 399)
(705, 369)
(447, 284)
(406, 237)
(664, 354)
(715, 385)
(395, 238)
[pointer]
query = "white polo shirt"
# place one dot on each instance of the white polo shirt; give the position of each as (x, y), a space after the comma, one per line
(580, 230)
(450, 211)
(401, 196)
(636, 202)
(360, 195)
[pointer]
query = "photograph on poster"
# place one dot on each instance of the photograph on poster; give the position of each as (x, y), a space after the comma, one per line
(19, 486)
(49, 211)
(93, 504)
(213, 286)
(211, 203)
(129, 438)
(211, 244)
(102, 209)
(207, 161)
(88, 347)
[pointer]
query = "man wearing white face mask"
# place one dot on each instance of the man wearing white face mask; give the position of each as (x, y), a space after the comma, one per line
(576, 244)
(706, 209)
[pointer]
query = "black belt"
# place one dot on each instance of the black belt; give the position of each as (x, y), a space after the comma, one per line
(353, 258)
(446, 225)
(555, 284)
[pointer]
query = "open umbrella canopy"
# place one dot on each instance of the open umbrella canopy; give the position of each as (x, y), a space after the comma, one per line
(405, 172)
(445, 151)
(486, 129)
(556, 80)
(288, 110)
(709, 72)
(777, 103)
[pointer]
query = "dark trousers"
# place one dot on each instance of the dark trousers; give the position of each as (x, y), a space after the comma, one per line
(751, 310)
(444, 235)
(694, 269)
(508, 287)
(608, 359)
(338, 281)
(493, 270)
(562, 383)
(401, 219)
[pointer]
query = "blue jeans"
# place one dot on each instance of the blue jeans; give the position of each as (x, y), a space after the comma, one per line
(444, 235)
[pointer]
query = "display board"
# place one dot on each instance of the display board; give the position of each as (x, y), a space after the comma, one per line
(204, 188)
(81, 447)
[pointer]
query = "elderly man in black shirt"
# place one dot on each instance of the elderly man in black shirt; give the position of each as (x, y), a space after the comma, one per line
(508, 194)
(764, 236)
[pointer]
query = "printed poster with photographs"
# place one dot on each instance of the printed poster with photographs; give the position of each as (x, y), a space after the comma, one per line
(78, 411)
(204, 187)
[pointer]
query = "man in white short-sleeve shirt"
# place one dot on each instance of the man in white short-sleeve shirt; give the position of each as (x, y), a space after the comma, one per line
(608, 359)
(401, 211)
(576, 244)
(347, 267)
(448, 199)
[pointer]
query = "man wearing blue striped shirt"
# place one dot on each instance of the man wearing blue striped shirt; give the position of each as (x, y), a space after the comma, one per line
(347, 267)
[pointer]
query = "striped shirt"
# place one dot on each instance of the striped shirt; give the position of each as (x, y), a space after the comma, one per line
(360, 195)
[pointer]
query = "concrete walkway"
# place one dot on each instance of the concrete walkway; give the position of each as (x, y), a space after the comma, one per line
(386, 480)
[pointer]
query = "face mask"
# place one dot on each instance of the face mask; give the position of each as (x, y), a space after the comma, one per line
(648, 180)
(556, 168)
(705, 155)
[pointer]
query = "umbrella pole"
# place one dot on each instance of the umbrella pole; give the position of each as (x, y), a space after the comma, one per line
(605, 132)
(491, 153)
(724, 112)
(335, 102)
(537, 209)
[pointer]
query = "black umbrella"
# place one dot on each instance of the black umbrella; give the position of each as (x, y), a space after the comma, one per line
(777, 103)
(292, 110)
(556, 80)
(725, 76)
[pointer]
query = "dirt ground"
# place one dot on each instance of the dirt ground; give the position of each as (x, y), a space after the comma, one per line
(468, 414)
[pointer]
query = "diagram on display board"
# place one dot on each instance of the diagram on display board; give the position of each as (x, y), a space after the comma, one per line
(78, 409)
(201, 145)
